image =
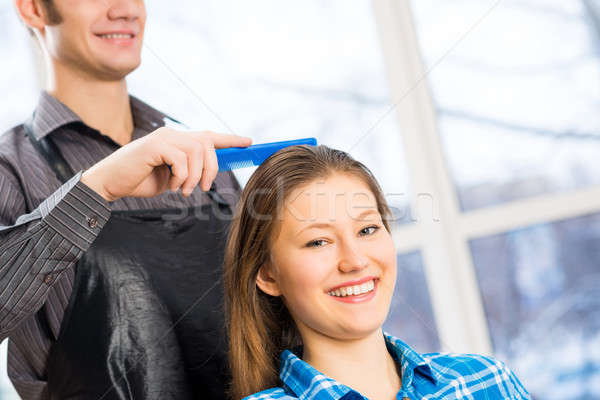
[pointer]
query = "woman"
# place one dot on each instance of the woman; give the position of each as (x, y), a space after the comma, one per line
(310, 269)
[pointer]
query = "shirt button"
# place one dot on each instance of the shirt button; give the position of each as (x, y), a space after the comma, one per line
(49, 278)
(92, 221)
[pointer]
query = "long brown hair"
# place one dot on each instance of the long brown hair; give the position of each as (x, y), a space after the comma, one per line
(259, 326)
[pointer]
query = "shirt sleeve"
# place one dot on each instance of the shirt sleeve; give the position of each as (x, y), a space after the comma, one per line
(36, 248)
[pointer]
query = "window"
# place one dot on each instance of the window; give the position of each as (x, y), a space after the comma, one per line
(516, 97)
(411, 316)
(512, 95)
(541, 290)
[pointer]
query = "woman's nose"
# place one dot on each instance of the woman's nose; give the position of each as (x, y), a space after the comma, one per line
(351, 258)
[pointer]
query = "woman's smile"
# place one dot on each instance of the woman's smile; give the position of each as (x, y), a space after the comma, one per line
(355, 292)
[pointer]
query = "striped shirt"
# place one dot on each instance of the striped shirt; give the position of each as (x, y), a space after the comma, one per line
(45, 228)
(424, 376)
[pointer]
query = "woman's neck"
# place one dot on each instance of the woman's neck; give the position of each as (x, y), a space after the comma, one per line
(363, 364)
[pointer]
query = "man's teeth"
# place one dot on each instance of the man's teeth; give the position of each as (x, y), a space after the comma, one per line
(117, 36)
(353, 290)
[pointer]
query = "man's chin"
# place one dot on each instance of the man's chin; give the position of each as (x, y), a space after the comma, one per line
(115, 72)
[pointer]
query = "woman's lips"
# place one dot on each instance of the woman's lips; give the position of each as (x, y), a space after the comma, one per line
(352, 298)
(354, 282)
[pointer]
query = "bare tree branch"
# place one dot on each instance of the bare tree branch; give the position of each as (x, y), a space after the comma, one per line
(516, 127)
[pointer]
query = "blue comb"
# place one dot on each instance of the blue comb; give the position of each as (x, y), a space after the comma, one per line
(242, 157)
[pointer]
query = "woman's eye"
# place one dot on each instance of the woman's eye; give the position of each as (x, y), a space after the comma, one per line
(369, 230)
(366, 231)
(315, 243)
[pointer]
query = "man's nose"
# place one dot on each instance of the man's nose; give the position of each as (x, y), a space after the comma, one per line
(125, 9)
(351, 258)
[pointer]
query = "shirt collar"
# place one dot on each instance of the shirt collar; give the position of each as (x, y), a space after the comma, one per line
(51, 114)
(410, 361)
(308, 383)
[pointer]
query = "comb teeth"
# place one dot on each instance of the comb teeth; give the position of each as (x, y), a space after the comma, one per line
(228, 165)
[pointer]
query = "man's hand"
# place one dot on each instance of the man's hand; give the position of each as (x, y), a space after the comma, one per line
(140, 168)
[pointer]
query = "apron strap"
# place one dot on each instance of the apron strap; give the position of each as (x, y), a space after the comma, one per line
(48, 149)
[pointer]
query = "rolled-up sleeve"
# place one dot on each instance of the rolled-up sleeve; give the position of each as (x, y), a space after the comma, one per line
(36, 248)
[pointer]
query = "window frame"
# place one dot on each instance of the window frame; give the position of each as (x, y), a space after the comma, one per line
(441, 231)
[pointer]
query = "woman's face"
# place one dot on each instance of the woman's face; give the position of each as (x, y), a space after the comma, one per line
(332, 260)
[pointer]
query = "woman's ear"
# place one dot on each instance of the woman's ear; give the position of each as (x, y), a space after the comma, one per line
(266, 280)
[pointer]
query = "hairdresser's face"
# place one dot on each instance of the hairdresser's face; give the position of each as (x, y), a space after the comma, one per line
(333, 261)
(97, 38)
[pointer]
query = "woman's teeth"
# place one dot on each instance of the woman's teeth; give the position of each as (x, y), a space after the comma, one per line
(353, 290)
(116, 36)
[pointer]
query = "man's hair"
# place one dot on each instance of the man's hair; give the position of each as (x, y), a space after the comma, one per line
(52, 13)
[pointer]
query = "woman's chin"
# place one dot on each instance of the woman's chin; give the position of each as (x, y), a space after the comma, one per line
(355, 330)
(363, 323)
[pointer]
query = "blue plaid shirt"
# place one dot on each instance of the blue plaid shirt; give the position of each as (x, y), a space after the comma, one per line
(424, 376)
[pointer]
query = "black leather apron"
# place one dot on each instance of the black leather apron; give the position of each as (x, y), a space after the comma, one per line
(145, 319)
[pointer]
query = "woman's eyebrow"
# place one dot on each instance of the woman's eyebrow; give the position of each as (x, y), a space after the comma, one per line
(315, 225)
(367, 211)
(327, 225)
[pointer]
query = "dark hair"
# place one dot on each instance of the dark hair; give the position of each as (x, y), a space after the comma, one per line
(260, 326)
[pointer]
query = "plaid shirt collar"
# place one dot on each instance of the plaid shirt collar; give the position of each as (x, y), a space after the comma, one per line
(306, 382)
(51, 114)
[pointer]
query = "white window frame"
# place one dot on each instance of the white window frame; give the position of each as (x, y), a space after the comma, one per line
(442, 231)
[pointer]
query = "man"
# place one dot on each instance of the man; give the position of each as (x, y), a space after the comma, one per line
(106, 291)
